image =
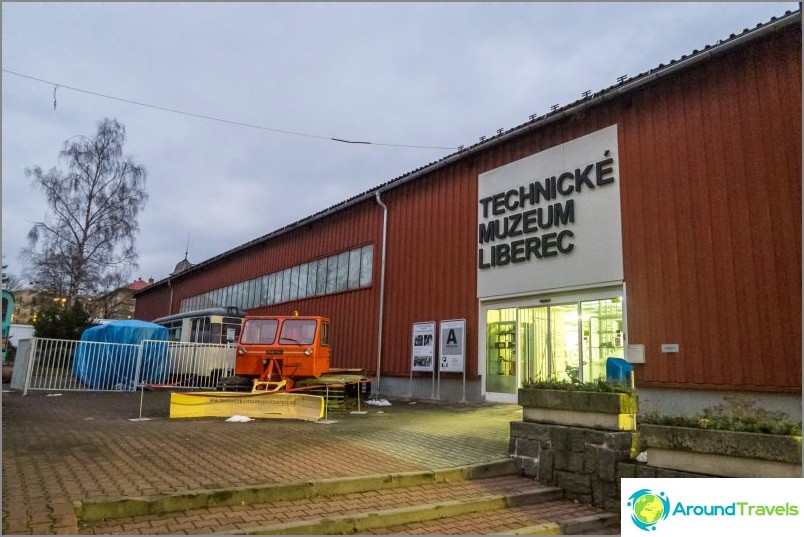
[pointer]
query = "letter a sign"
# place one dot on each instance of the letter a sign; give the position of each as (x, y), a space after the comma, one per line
(452, 346)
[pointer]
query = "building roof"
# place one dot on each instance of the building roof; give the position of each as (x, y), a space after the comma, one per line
(182, 266)
(623, 85)
(137, 285)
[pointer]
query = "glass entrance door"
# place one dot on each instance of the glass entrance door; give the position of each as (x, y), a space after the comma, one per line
(549, 336)
(603, 337)
(567, 342)
(501, 370)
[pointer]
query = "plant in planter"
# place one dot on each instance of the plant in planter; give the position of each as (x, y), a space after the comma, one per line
(735, 439)
(599, 404)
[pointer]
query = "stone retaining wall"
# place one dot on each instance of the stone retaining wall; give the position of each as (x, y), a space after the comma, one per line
(583, 462)
(587, 463)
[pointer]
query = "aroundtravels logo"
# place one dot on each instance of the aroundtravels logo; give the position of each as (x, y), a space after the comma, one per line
(648, 508)
(708, 506)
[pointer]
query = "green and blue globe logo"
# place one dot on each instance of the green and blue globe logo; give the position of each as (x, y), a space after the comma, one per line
(648, 508)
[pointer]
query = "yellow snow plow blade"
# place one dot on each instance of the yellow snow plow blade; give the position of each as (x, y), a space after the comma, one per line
(293, 406)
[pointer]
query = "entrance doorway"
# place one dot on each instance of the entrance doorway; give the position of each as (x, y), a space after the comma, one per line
(569, 340)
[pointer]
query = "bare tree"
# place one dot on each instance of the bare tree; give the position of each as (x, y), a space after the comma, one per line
(87, 238)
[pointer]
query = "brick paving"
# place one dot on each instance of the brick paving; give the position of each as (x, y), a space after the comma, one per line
(82, 446)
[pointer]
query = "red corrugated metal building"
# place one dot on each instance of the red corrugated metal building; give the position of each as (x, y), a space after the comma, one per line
(657, 220)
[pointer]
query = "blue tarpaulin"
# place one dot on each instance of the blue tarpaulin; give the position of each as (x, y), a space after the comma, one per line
(106, 357)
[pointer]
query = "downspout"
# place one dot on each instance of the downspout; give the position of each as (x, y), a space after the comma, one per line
(170, 306)
(382, 289)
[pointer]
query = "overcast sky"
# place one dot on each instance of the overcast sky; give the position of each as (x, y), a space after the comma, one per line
(439, 74)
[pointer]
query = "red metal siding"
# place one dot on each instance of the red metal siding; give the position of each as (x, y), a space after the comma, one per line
(353, 313)
(711, 216)
(710, 182)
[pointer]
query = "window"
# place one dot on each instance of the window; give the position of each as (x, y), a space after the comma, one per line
(297, 332)
(277, 287)
(332, 273)
(200, 330)
(241, 295)
(285, 285)
(265, 290)
(303, 281)
(294, 283)
(230, 329)
(247, 293)
(325, 334)
(321, 286)
(366, 262)
(347, 270)
(312, 273)
(354, 269)
(255, 301)
(343, 272)
(259, 331)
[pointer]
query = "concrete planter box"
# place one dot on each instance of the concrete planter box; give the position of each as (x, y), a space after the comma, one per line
(595, 410)
(722, 453)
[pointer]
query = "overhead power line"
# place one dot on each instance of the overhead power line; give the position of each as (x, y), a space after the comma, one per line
(220, 120)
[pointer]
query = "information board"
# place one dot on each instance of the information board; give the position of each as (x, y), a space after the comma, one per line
(452, 346)
(423, 347)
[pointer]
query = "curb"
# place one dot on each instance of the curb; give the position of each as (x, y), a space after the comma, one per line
(581, 524)
(355, 523)
(548, 528)
(93, 511)
(575, 526)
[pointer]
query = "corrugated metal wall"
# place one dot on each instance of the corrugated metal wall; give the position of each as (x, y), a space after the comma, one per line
(711, 201)
(710, 181)
(353, 313)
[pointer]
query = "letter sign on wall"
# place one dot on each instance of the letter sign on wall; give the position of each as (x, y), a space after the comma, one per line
(551, 220)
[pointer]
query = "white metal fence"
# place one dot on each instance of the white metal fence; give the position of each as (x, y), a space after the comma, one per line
(65, 365)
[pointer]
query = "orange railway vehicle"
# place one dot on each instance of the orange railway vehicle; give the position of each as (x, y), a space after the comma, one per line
(286, 353)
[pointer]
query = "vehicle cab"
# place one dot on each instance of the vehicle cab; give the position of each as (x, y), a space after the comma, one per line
(299, 344)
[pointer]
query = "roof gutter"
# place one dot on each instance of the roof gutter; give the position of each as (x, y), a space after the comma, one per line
(601, 97)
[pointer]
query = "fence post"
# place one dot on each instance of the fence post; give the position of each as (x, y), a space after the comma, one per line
(31, 359)
(138, 367)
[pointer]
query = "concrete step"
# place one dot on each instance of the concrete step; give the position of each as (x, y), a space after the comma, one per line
(508, 504)
(339, 512)
(370, 521)
(557, 517)
(122, 507)
(479, 499)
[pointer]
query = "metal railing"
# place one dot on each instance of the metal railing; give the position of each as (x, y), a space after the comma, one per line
(66, 365)
(193, 365)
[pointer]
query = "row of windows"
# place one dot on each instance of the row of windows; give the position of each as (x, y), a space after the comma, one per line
(333, 274)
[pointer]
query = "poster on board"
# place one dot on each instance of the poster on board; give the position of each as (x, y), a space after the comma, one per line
(453, 346)
(423, 347)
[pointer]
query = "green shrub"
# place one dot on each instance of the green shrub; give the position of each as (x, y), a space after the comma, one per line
(599, 385)
(736, 414)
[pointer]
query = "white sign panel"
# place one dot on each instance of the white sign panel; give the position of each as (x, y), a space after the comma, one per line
(423, 347)
(635, 353)
(551, 220)
(452, 346)
(696, 506)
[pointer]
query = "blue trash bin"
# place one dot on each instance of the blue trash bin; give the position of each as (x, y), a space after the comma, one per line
(618, 370)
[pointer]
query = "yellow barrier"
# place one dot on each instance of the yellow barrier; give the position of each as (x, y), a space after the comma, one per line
(254, 405)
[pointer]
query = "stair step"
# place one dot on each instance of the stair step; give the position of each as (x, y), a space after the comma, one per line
(558, 517)
(127, 507)
(497, 492)
(353, 523)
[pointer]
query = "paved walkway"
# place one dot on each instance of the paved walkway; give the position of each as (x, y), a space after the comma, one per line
(82, 446)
